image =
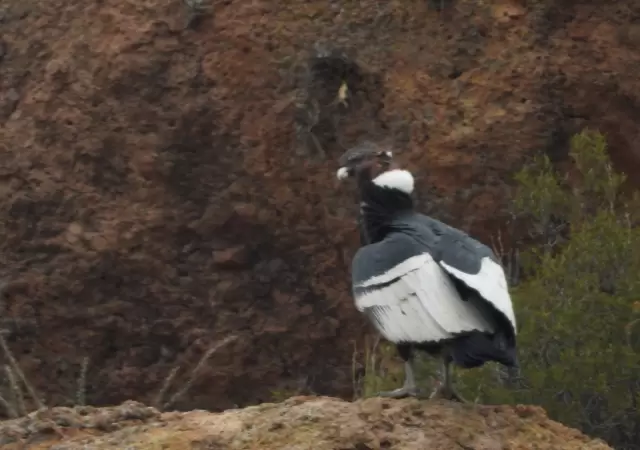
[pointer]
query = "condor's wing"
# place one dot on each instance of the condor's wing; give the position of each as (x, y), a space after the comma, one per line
(408, 296)
(474, 264)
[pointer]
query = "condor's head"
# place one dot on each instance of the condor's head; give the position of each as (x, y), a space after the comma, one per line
(374, 168)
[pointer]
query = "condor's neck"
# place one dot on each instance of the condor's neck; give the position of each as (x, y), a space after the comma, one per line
(382, 199)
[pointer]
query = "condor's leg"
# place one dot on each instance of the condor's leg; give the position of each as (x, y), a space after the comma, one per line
(446, 389)
(409, 388)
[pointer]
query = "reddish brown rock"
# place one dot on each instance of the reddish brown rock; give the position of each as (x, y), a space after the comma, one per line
(133, 150)
(229, 258)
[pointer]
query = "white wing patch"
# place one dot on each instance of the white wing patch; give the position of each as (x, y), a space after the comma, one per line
(491, 283)
(421, 305)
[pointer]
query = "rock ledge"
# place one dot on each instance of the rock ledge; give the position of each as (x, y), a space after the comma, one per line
(320, 423)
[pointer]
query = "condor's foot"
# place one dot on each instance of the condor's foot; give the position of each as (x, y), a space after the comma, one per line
(408, 389)
(403, 392)
(447, 393)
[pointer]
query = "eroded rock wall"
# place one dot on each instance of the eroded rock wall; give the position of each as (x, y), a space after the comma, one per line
(165, 186)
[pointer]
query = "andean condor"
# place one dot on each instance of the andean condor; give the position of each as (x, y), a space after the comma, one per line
(423, 284)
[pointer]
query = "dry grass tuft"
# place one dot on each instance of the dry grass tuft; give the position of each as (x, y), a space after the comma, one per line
(159, 400)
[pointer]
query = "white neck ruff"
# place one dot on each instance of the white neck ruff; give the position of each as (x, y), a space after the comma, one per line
(399, 179)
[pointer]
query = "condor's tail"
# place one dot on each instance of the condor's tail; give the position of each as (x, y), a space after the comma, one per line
(477, 348)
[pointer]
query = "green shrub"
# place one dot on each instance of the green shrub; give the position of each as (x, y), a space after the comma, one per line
(578, 345)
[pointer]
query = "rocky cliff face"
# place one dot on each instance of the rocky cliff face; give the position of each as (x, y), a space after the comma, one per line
(298, 423)
(167, 182)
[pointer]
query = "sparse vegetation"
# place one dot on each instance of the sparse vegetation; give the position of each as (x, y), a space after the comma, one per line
(379, 371)
(196, 9)
(12, 392)
(578, 304)
(12, 395)
(328, 78)
(12, 398)
(81, 394)
(160, 402)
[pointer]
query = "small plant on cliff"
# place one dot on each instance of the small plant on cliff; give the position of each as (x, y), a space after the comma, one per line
(379, 369)
(196, 10)
(160, 400)
(13, 400)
